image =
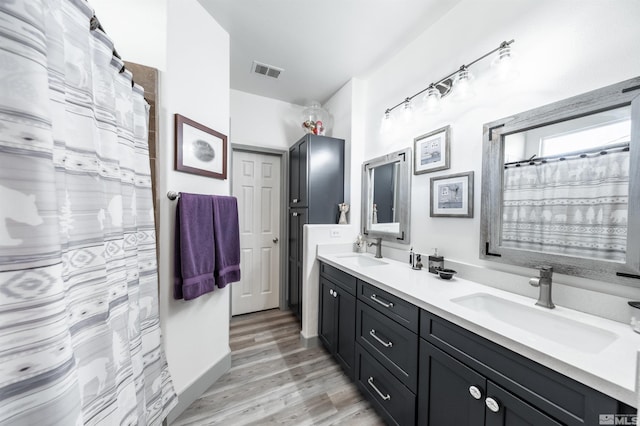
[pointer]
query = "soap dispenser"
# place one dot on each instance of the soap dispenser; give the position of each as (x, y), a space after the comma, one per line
(435, 262)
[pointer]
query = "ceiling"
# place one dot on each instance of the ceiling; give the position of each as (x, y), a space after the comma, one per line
(320, 45)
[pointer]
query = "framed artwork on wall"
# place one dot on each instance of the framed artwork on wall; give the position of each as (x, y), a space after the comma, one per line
(431, 151)
(199, 149)
(452, 195)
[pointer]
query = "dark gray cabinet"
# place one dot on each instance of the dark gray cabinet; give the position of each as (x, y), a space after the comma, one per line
(514, 390)
(453, 394)
(336, 316)
(393, 345)
(391, 399)
(387, 353)
(316, 187)
(418, 368)
(316, 177)
(297, 218)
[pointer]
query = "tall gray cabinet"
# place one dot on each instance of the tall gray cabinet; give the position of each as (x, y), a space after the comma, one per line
(316, 187)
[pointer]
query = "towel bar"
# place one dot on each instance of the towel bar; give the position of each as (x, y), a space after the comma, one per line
(173, 195)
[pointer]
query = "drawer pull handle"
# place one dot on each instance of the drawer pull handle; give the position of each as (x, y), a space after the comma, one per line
(475, 392)
(388, 344)
(492, 404)
(386, 397)
(385, 304)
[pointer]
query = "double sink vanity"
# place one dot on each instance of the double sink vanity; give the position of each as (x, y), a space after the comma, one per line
(454, 352)
(442, 352)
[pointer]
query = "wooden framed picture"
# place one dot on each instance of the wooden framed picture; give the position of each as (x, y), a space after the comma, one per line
(452, 195)
(199, 149)
(431, 151)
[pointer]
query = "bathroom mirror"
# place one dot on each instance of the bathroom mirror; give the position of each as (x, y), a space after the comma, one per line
(385, 196)
(561, 186)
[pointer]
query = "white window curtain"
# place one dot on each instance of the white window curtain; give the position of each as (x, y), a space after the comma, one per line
(80, 339)
(575, 206)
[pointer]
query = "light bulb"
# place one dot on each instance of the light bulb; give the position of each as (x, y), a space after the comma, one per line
(387, 123)
(462, 84)
(432, 99)
(503, 66)
(407, 111)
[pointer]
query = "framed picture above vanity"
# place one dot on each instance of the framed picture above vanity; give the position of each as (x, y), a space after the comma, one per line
(431, 151)
(452, 195)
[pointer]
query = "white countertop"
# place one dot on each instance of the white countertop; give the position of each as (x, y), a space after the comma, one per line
(612, 371)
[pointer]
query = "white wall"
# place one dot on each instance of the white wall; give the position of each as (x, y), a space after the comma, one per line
(264, 122)
(138, 28)
(195, 85)
(192, 53)
(347, 109)
(564, 49)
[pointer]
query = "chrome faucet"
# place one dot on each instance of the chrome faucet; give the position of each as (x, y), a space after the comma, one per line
(544, 282)
(378, 244)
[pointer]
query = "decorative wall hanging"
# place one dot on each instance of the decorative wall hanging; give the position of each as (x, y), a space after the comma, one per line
(199, 149)
(431, 151)
(452, 195)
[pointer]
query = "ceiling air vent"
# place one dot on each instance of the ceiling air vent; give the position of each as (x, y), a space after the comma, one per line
(266, 70)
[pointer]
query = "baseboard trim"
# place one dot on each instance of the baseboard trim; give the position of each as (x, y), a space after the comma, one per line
(309, 342)
(198, 387)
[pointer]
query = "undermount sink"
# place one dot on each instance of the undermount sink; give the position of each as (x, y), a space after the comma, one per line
(361, 260)
(542, 323)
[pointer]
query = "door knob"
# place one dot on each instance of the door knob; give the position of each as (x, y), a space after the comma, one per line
(275, 240)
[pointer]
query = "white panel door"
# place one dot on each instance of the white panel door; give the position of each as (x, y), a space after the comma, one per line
(256, 185)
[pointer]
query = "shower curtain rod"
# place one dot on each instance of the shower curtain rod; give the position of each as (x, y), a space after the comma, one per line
(601, 149)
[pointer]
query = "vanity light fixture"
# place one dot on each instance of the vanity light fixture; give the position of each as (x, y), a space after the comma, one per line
(458, 82)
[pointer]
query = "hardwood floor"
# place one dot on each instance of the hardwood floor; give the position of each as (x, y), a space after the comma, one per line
(274, 379)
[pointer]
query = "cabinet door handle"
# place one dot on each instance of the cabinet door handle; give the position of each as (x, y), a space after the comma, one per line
(475, 392)
(294, 214)
(335, 293)
(386, 397)
(492, 404)
(388, 344)
(295, 200)
(331, 292)
(385, 304)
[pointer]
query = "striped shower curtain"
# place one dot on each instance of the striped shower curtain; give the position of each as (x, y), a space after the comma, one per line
(80, 338)
(576, 206)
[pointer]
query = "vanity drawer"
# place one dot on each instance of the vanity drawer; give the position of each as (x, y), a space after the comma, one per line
(394, 307)
(391, 399)
(339, 277)
(391, 344)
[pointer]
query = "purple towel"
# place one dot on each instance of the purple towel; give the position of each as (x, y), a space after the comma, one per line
(195, 252)
(226, 240)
